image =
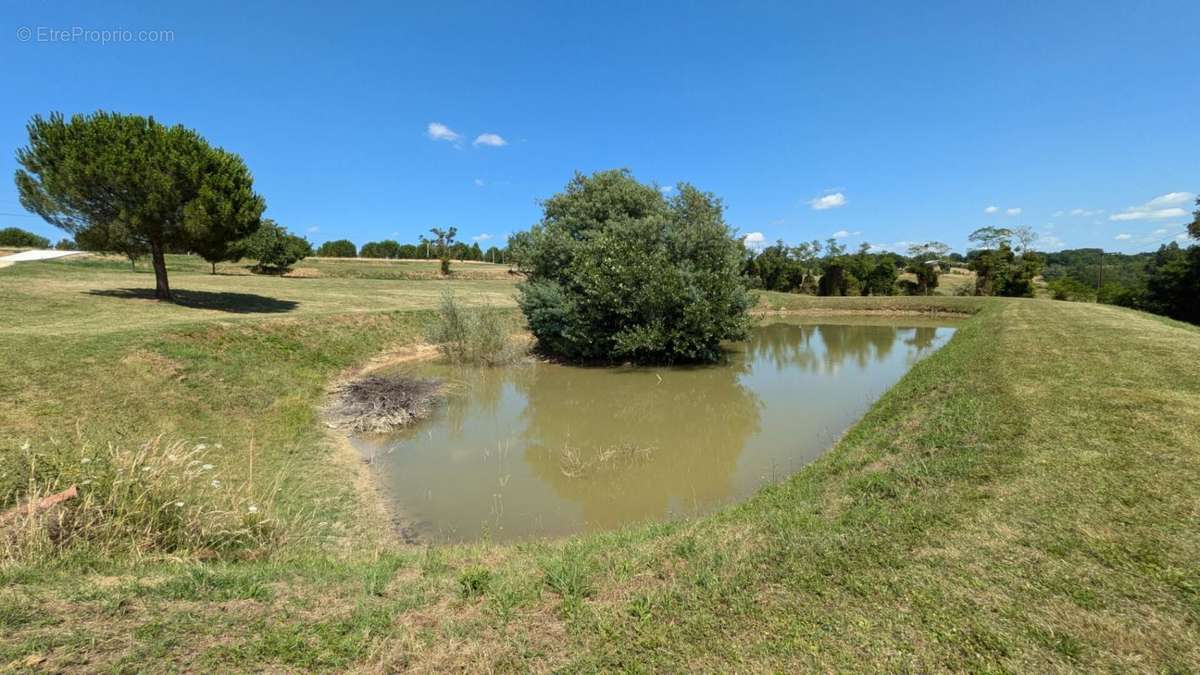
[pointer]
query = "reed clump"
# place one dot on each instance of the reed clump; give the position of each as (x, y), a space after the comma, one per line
(479, 336)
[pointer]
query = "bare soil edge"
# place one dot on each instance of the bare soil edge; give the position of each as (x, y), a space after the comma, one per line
(377, 513)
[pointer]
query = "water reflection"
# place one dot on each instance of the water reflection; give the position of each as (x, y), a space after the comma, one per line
(546, 450)
(629, 443)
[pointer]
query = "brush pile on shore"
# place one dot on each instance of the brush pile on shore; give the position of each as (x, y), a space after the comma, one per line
(378, 404)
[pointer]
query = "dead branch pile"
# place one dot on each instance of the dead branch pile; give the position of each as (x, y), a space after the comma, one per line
(378, 404)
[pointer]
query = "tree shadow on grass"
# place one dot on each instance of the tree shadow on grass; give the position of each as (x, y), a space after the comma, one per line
(237, 303)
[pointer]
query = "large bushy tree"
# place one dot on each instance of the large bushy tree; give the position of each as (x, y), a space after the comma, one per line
(380, 249)
(999, 270)
(1173, 281)
(882, 277)
(617, 271)
(835, 273)
(224, 210)
(128, 183)
(273, 248)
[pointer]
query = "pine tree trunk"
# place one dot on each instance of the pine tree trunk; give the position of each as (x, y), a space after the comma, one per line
(162, 290)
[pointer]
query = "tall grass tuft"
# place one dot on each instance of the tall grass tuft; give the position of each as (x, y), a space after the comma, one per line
(159, 498)
(480, 336)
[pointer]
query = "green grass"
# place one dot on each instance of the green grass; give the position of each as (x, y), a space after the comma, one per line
(367, 268)
(93, 295)
(790, 303)
(1024, 500)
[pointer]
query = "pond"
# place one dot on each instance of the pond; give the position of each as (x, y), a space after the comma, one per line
(544, 450)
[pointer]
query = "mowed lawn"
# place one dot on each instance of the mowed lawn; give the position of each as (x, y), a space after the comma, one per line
(89, 294)
(1027, 499)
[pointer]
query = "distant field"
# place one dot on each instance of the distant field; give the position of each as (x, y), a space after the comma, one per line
(355, 268)
(370, 268)
(98, 294)
(958, 281)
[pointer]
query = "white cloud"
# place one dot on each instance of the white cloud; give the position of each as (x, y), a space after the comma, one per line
(1015, 211)
(832, 201)
(478, 182)
(1170, 199)
(1182, 236)
(1059, 214)
(1086, 212)
(666, 189)
(991, 209)
(754, 240)
(1139, 213)
(1123, 237)
(313, 229)
(481, 237)
(842, 234)
(493, 140)
(1159, 208)
(1160, 231)
(440, 132)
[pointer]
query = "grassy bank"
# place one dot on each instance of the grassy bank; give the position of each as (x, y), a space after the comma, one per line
(1023, 500)
(796, 304)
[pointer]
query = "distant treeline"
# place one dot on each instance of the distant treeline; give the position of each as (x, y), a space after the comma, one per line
(1003, 263)
(1165, 282)
(424, 250)
(1092, 273)
(15, 236)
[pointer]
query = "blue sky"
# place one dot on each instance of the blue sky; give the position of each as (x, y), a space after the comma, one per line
(905, 121)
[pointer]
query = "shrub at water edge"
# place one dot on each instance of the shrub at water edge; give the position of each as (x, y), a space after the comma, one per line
(617, 271)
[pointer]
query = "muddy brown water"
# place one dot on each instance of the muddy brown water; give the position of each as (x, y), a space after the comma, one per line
(544, 450)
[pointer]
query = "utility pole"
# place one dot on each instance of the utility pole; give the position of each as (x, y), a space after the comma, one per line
(1100, 281)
